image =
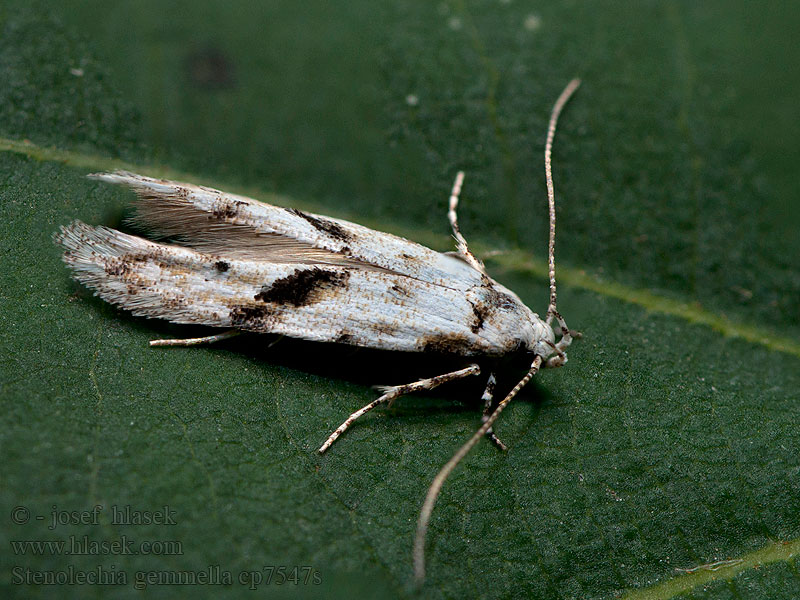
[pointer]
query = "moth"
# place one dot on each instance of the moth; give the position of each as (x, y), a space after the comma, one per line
(243, 265)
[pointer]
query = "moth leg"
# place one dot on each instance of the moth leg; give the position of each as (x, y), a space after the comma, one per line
(566, 339)
(488, 396)
(461, 243)
(209, 339)
(390, 393)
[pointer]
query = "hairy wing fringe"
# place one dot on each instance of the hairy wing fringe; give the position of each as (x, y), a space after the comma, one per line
(234, 226)
(149, 279)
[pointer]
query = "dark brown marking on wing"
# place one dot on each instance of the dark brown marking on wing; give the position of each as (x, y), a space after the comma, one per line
(447, 343)
(344, 338)
(384, 329)
(123, 266)
(173, 302)
(480, 311)
(494, 301)
(251, 317)
(332, 229)
(514, 346)
(399, 289)
(501, 301)
(135, 257)
(117, 267)
(226, 210)
(304, 286)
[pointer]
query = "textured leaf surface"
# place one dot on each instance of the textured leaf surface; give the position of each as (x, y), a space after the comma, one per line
(663, 448)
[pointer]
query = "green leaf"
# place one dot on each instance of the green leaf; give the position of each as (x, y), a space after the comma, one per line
(661, 462)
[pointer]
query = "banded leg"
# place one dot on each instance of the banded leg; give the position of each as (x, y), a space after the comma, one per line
(390, 393)
(209, 339)
(463, 249)
(566, 339)
(488, 396)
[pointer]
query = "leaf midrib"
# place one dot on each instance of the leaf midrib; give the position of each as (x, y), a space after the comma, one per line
(704, 574)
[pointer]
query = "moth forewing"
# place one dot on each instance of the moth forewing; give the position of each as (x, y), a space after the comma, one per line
(216, 222)
(322, 301)
(244, 265)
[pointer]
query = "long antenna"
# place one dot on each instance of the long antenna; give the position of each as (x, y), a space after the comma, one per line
(551, 197)
(441, 476)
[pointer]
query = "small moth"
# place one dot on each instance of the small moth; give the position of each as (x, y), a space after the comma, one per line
(243, 265)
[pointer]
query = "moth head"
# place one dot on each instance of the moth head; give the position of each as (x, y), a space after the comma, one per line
(542, 341)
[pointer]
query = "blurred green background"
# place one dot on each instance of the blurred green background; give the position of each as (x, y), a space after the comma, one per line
(663, 446)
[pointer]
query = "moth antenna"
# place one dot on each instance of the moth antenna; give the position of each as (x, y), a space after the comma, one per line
(551, 198)
(438, 481)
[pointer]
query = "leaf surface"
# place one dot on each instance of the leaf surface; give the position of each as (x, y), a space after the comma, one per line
(661, 462)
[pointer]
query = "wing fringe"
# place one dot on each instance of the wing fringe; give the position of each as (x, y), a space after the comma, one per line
(234, 226)
(149, 279)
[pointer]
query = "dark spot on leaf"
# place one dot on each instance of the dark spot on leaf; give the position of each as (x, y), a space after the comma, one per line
(302, 287)
(208, 68)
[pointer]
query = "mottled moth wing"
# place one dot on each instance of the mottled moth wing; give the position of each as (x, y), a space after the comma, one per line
(217, 222)
(262, 268)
